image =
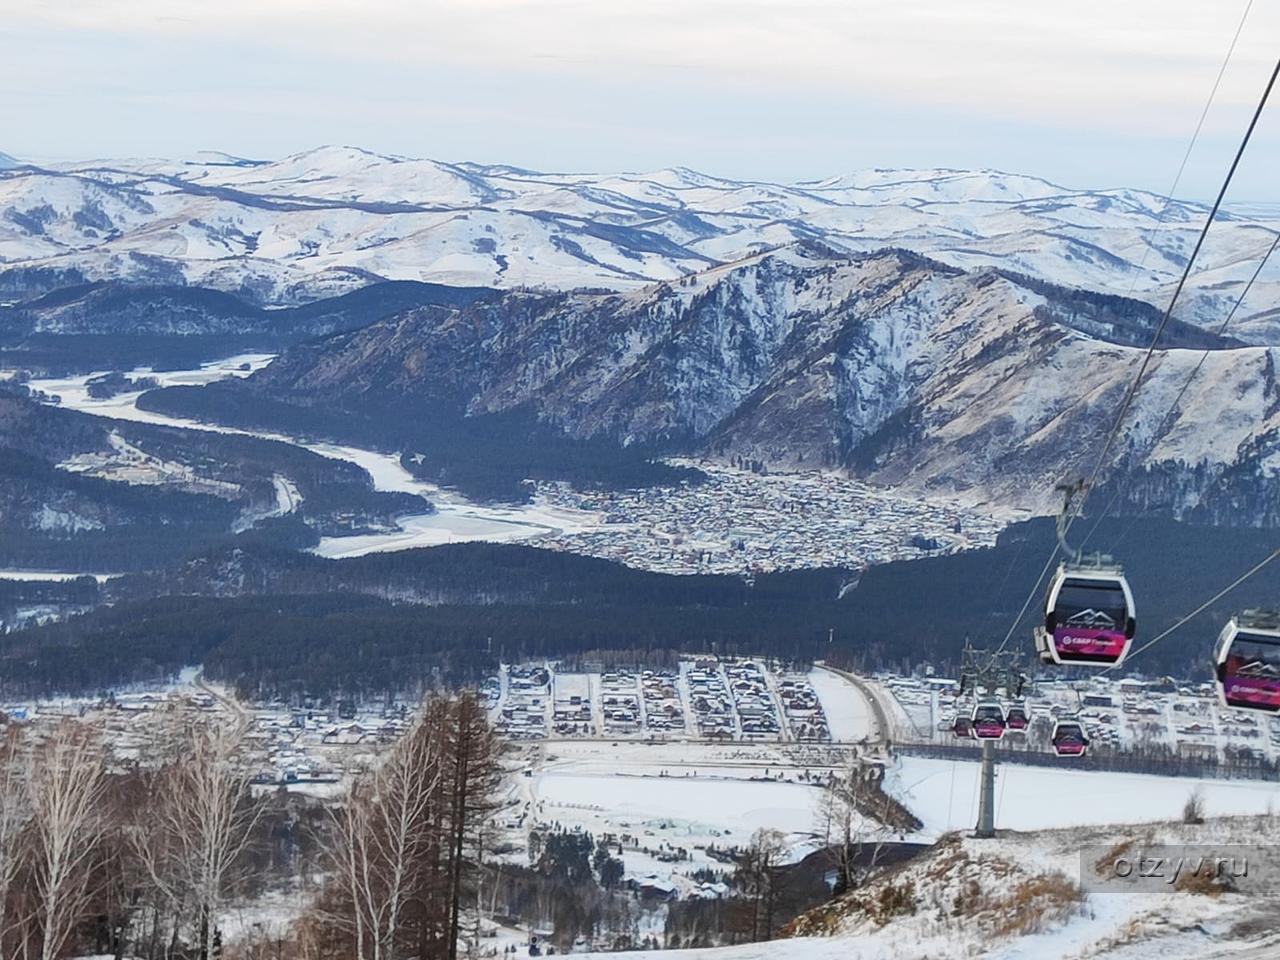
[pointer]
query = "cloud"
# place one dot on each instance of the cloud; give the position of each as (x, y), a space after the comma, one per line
(1096, 70)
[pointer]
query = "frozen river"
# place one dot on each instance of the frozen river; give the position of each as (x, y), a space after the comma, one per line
(455, 519)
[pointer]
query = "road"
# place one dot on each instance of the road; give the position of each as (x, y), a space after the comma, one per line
(882, 728)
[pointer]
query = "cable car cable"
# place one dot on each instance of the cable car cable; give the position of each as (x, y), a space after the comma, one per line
(1186, 156)
(1221, 329)
(1173, 189)
(1131, 392)
(1127, 402)
(1204, 606)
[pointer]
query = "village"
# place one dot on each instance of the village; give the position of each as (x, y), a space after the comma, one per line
(739, 521)
(702, 699)
(1119, 714)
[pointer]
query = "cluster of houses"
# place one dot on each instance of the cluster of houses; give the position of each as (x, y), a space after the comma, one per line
(706, 697)
(739, 522)
(523, 712)
(619, 703)
(315, 744)
(757, 711)
(710, 701)
(662, 710)
(803, 709)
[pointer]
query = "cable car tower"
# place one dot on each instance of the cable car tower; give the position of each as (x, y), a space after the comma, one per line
(983, 674)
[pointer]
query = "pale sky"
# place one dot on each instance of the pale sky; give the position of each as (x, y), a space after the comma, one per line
(1087, 93)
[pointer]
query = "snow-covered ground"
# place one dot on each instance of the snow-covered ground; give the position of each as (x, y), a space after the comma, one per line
(848, 714)
(944, 794)
(1018, 897)
(54, 575)
(353, 213)
(680, 809)
(455, 519)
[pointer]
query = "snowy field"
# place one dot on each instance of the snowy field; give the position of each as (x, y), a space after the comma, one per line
(848, 713)
(691, 804)
(944, 794)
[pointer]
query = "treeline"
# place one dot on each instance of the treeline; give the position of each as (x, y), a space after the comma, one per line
(67, 354)
(411, 619)
(286, 646)
(473, 573)
(487, 456)
(50, 517)
(144, 858)
(119, 326)
(337, 495)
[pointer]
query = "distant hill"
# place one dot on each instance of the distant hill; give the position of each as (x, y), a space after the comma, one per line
(331, 219)
(981, 385)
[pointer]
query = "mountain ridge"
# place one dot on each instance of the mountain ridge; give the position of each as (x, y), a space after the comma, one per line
(324, 221)
(978, 385)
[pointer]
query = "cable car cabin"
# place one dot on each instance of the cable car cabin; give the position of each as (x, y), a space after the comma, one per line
(963, 728)
(1069, 739)
(988, 721)
(1089, 617)
(1248, 661)
(1016, 717)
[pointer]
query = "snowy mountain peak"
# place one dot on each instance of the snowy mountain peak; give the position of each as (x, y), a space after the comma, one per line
(7, 162)
(336, 217)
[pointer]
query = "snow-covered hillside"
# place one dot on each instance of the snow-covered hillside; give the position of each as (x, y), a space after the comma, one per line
(921, 376)
(1036, 896)
(329, 219)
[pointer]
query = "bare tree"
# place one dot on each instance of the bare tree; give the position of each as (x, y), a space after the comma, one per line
(201, 818)
(854, 814)
(67, 785)
(474, 775)
(15, 817)
(757, 878)
(381, 833)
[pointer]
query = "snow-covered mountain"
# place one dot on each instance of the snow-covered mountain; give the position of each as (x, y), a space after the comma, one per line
(331, 219)
(976, 384)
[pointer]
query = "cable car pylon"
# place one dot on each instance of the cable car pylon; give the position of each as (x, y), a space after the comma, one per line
(983, 674)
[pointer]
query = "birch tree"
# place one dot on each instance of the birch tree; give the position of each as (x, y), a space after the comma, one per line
(67, 786)
(381, 834)
(198, 821)
(15, 817)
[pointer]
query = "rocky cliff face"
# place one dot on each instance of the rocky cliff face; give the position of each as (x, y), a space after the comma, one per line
(979, 384)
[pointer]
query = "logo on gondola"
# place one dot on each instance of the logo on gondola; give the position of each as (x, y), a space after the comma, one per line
(1258, 668)
(1090, 618)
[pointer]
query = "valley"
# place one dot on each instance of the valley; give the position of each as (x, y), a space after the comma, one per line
(715, 479)
(453, 518)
